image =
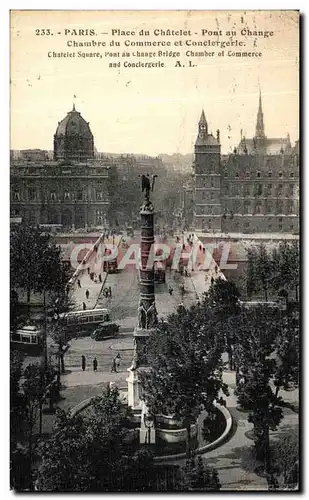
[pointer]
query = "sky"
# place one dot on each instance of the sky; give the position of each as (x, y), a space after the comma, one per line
(153, 111)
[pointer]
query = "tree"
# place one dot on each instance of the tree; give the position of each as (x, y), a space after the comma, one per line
(139, 472)
(286, 351)
(285, 261)
(195, 476)
(35, 263)
(185, 376)
(257, 334)
(28, 391)
(223, 296)
(93, 451)
(259, 271)
(19, 478)
(18, 316)
(58, 328)
(17, 403)
(36, 385)
(286, 461)
(20, 470)
(252, 286)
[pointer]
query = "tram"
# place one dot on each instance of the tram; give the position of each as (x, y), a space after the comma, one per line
(28, 339)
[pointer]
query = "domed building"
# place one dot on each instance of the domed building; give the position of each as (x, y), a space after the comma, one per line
(71, 191)
(73, 140)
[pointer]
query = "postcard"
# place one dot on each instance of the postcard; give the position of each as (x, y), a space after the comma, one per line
(154, 251)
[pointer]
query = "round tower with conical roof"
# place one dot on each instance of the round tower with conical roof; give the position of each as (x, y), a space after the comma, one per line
(73, 140)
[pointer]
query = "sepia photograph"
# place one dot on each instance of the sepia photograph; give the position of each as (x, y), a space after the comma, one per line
(154, 251)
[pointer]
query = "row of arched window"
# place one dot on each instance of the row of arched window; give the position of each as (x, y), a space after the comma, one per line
(258, 174)
(33, 195)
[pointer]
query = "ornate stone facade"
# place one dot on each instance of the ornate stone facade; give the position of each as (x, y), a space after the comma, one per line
(72, 190)
(255, 189)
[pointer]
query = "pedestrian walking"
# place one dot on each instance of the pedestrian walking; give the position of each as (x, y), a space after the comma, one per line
(95, 364)
(88, 269)
(110, 291)
(114, 366)
(87, 294)
(79, 285)
(117, 359)
(84, 306)
(100, 278)
(83, 363)
(170, 290)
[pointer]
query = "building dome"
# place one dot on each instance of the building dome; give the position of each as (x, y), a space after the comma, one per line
(73, 139)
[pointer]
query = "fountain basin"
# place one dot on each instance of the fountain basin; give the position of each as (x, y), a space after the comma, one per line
(173, 439)
(171, 430)
(176, 435)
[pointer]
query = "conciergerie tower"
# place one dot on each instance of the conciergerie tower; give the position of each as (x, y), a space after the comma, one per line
(206, 166)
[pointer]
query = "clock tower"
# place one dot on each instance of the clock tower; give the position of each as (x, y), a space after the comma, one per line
(207, 179)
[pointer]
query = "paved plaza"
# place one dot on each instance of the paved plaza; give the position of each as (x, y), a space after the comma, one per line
(234, 459)
(83, 282)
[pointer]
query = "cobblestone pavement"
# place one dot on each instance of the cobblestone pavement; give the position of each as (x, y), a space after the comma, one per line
(125, 295)
(104, 352)
(94, 287)
(123, 305)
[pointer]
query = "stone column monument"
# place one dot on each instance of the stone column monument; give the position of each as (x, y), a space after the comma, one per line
(147, 313)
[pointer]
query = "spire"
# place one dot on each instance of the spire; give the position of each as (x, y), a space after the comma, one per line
(259, 129)
(73, 107)
(202, 125)
(202, 119)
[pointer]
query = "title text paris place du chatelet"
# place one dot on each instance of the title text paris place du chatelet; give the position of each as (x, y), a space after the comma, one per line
(153, 48)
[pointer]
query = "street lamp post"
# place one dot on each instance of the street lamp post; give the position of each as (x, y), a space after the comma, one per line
(148, 421)
(45, 331)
